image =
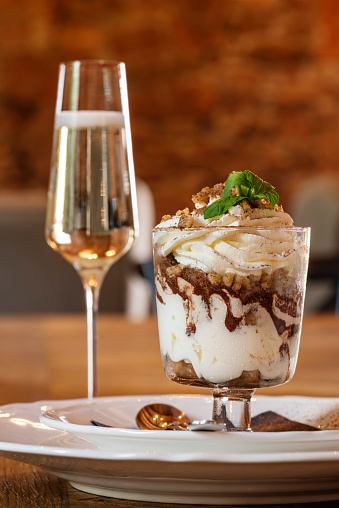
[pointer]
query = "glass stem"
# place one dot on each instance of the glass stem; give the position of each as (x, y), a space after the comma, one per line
(232, 407)
(92, 287)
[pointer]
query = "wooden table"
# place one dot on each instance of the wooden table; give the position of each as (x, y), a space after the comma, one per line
(44, 357)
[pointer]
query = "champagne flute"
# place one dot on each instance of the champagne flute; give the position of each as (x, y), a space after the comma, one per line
(91, 215)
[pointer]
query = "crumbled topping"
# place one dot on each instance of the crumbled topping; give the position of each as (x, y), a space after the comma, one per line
(214, 278)
(207, 194)
(185, 218)
(174, 270)
(166, 217)
(261, 203)
(183, 212)
(186, 221)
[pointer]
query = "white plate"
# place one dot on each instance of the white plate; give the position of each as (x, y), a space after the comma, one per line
(171, 473)
(125, 437)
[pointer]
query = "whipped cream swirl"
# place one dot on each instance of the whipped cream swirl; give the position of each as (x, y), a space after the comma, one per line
(246, 241)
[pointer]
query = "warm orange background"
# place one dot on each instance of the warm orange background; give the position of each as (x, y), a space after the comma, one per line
(214, 86)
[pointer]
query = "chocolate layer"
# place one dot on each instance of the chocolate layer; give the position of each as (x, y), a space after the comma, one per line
(280, 291)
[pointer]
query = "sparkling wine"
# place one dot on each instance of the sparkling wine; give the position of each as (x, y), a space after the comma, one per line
(89, 214)
(94, 250)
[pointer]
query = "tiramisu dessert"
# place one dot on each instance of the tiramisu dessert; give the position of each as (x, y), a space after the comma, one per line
(230, 279)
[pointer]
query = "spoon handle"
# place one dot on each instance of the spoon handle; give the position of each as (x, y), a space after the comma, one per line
(176, 426)
(206, 425)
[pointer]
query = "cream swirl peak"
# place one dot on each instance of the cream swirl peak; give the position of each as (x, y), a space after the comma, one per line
(229, 251)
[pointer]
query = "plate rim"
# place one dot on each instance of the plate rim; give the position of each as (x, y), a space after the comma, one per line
(79, 429)
(99, 454)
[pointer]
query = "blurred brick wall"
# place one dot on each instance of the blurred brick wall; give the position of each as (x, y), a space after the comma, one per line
(214, 86)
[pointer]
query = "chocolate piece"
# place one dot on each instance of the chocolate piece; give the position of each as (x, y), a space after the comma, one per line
(273, 422)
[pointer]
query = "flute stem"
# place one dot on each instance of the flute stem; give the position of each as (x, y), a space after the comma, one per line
(92, 287)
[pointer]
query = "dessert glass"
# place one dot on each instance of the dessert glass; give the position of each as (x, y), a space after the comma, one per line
(230, 304)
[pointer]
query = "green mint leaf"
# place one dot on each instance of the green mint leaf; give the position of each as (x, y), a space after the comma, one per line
(249, 186)
(220, 206)
(239, 180)
(273, 197)
(261, 189)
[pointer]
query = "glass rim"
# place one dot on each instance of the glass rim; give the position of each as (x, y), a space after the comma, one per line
(92, 61)
(301, 229)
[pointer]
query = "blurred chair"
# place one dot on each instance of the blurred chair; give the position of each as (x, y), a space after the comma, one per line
(34, 278)
(317, 205)
(140, 299)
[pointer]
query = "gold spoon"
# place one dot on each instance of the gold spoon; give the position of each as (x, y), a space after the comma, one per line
(159, 416)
